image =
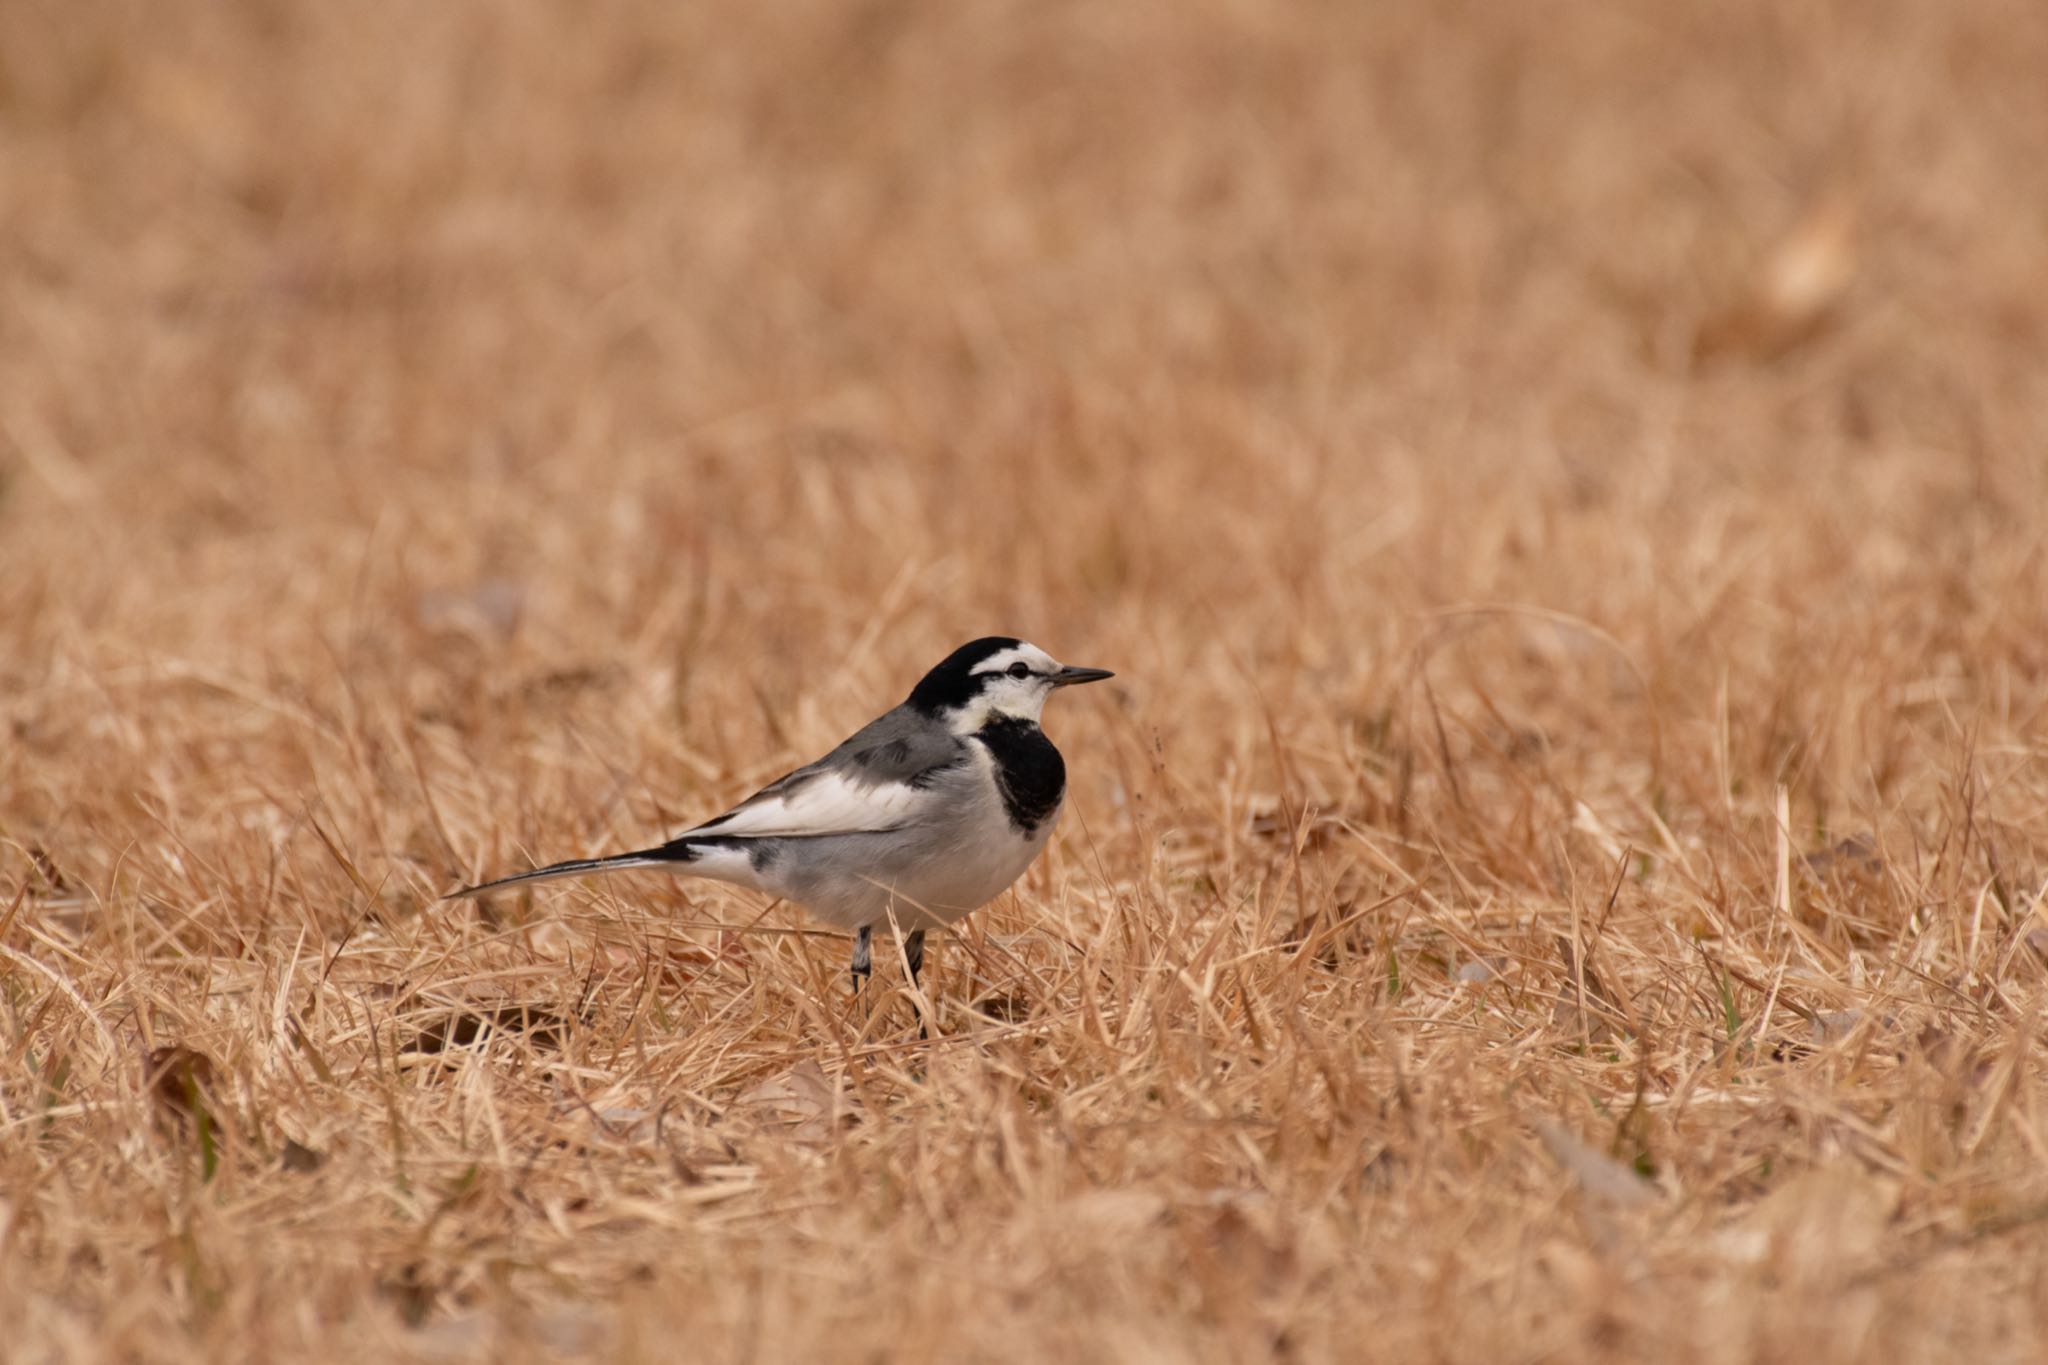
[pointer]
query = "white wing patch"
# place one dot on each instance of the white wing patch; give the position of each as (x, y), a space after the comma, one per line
(827, 803)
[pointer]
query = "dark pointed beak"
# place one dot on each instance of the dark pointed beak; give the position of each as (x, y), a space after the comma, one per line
(1067, 677)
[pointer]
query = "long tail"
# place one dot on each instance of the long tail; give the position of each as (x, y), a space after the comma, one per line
(668, 855)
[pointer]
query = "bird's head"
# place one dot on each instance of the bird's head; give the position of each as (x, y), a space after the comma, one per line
(995, 676)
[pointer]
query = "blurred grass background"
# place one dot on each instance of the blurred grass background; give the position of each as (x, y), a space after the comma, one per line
(1495, 445)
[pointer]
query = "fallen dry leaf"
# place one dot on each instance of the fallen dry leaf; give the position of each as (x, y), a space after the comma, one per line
(803, 1101)
(460, 1028)
(1822, 1223)
(177, 1076)
(1796, 291)
(1598, 1174)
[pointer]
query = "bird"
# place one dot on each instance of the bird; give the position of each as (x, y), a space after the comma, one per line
(924, 815)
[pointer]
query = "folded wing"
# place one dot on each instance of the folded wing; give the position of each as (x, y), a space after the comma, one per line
(876, 781)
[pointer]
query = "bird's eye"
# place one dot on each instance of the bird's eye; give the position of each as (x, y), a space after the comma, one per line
(1020, 669)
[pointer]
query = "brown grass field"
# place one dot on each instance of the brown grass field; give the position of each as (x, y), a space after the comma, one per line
(1560, 874)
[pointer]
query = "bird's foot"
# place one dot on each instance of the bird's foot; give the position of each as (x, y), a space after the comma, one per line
(863, 961)
(913, 958)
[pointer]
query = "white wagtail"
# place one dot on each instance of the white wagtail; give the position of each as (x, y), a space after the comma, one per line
(929, 812)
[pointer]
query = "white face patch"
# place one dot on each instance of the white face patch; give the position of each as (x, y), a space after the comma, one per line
(1014, 682)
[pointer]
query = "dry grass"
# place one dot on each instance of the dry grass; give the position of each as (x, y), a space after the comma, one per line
(1559, 876)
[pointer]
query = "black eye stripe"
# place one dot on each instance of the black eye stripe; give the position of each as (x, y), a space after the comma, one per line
(1016, 668)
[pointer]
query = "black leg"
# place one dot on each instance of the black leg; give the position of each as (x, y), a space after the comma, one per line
(863, 965)
(913, 958)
